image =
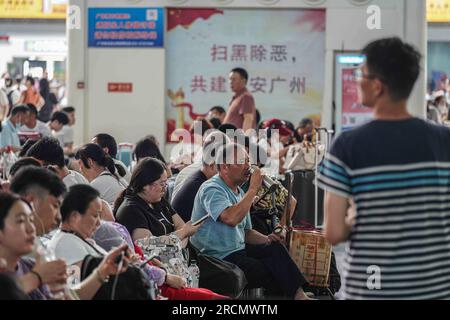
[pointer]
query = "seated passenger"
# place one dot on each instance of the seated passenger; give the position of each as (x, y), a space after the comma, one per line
(17, 236)
(44, 190)
(142, 208)
(72, 242)
(50, 153)
(183, 201)
(228, 233)
(109, 145)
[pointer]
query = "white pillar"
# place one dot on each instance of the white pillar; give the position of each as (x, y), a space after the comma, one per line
(76, 37)
(416, 33)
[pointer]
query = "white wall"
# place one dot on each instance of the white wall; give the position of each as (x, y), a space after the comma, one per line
(131, 116)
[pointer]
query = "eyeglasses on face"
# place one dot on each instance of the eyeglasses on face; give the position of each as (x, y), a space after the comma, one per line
(162, 184)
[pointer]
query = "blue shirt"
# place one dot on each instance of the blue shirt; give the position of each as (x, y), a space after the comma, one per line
(215, 238)
(398, 174)
(9, 136)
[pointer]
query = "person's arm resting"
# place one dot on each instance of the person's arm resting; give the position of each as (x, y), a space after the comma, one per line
(254, 237)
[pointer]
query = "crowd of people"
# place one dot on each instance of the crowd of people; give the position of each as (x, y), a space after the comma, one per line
(74, 220)
(63, 206)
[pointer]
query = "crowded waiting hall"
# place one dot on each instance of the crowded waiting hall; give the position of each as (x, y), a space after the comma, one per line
(294, 150)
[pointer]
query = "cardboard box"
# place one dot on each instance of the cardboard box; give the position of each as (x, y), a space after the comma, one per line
(312, 254)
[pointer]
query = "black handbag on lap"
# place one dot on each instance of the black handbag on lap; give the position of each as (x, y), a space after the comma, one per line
(131, 285)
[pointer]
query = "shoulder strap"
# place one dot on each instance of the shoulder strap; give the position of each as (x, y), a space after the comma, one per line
(81, 238)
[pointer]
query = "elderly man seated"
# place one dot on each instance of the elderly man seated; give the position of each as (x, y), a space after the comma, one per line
(228, 233)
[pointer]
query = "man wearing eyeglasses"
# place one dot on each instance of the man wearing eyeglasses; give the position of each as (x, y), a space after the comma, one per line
(395, 172)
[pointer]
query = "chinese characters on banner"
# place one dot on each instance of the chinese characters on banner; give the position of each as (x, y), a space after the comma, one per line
(126, 27)
(353, 113)
(255, 53)
(282, 50)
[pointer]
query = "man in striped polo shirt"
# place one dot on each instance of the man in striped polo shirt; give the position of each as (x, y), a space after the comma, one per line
(396, 171)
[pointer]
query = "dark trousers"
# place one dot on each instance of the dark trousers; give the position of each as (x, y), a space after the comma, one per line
(270, 267)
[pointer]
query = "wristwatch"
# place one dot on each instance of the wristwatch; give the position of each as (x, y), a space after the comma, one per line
(99, 277)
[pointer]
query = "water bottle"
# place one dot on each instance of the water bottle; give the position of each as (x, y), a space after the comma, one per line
(48, 255)
(194, 272)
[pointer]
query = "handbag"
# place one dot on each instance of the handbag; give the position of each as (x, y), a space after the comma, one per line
(217, 275)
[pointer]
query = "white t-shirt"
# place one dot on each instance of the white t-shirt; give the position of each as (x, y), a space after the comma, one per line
(15, 96)
(73, 249)
(67, 134)
(74, 178)
(108, 186)
(40, 127)
(59, 136)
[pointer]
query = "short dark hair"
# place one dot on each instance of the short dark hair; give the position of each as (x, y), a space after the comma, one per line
(32, 109)
(78, 199)
(395, 63)
(219, 109)
(105, 140)
(49, 151)
(30, 79)
(68, 109)
(242, 72)
(19, 109)
(22, 163)
(30, 177)
(61, 117)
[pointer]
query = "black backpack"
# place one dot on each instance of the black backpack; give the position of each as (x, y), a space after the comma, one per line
(217, 275)
(131, 285)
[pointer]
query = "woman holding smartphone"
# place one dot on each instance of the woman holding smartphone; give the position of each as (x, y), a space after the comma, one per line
(142, 208)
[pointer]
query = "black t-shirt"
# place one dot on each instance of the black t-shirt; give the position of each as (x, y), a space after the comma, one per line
(183, 202)
(135, 213)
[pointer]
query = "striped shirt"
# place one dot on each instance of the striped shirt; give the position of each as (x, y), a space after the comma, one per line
(398, 174)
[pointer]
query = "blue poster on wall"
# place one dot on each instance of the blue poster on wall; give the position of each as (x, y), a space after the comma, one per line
(126, 27)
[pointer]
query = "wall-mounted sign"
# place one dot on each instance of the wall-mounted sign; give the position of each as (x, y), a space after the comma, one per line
(120, 87)
(438, 11)
(126, 27)
(33, 9)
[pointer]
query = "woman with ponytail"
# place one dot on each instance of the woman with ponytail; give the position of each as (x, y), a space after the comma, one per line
(142, 209)
(100, 170)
